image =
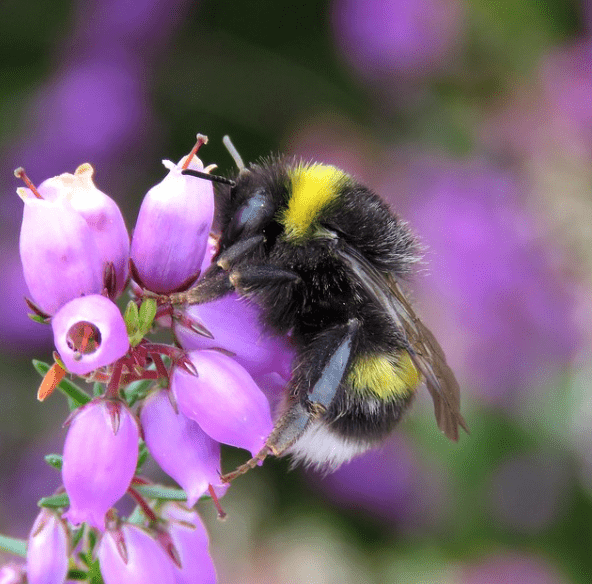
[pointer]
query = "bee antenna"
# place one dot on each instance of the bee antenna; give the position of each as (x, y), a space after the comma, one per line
(211, 177)
(233, 152)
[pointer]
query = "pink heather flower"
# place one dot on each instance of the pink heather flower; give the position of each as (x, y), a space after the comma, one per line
(191, 541)
(224, 400)
(132, 556)
(181, 448)
(99, 211)
(171, 234)
(47, 550)
(235, 325)
(58, 252)
(100, 457)
(89, 332)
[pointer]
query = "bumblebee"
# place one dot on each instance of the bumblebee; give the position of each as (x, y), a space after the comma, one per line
(322, 256)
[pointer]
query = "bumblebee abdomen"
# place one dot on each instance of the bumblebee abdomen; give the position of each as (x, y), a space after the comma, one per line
(377, 390)
(385, 376)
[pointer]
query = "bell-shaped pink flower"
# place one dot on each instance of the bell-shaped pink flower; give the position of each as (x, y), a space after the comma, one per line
(47, 550)
(131, 555)
(171, 234)
(100, 457)
(89, 332)
(235, 325)
(101, 214)
(181, 448)
(191, 542)
(58, 251)
(224, 400)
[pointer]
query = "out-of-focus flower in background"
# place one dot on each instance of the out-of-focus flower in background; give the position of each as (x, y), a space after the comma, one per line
(485, 251)
(389, 38)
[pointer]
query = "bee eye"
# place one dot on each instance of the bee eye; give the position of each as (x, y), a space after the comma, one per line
(251, 215)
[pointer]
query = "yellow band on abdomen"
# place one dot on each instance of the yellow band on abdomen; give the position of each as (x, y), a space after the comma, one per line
(384, 375)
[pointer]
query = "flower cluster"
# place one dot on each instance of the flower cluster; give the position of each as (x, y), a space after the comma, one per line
(175, 402)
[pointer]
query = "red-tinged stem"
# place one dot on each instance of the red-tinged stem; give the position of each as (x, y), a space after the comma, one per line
(114, 382)
(20, 173)
(160, 366)
(216, 501)
(145, 507)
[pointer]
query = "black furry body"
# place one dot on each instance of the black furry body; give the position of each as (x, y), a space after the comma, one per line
(328, 288)
(326, 295)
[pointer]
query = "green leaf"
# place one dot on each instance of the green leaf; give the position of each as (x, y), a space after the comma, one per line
(78, 396)
(98, 389)
(132, 323)
(160, 492)
(147, 314)
(55, 501)
(37, 318)
(94, 574)
(12, 545)
(54, 460)
(142, 457)
(77, 575)
(137, 390)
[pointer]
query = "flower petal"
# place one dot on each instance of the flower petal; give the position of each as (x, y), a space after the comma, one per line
(89, 332)
(224, 400)
(181, 448)
(100, 457)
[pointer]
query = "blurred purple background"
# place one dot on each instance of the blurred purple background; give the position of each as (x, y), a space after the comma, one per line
(474, 120)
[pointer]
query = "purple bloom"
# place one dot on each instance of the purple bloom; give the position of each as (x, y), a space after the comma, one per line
(60, 258)
(224, 400)
(89, 332)
(132, 556)
(99, 211)
(171, 234)
(181, 448)
(47, 550)
(236, 327)
(100, 457)
(396, 36)
(191, 542)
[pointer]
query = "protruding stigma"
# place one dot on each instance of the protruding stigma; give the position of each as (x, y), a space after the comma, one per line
(20, 173)
(200, 140)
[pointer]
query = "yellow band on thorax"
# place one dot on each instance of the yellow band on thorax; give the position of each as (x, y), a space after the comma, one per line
(313, 188)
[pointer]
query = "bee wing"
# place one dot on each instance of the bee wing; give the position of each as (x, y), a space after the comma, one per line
(424, 349)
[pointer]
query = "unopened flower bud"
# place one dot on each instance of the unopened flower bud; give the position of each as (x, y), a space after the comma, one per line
(47, 550)
(236, 327)
(131, 555)
(181, 448)
(58, 251)
(171, 234)
(224, 400)
(100, 457)
(89, 332)
(191, 542)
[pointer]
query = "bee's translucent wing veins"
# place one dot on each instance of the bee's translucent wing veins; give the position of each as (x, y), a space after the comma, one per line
(425, 351)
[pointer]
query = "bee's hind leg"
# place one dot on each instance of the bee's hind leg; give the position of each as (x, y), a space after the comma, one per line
(318, 375)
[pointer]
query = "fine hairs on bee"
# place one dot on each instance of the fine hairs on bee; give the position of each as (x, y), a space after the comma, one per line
(323, 257)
